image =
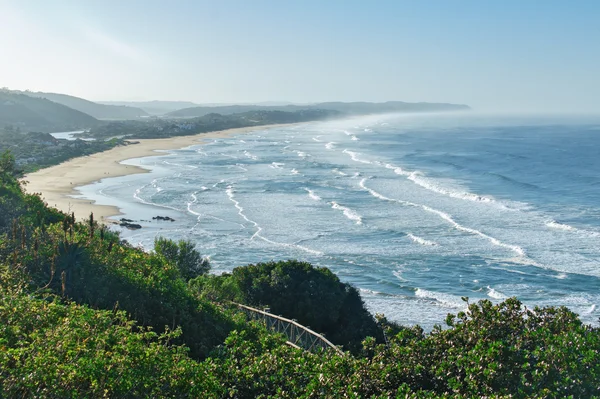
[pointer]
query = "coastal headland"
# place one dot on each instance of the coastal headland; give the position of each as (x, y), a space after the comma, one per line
(58, 184)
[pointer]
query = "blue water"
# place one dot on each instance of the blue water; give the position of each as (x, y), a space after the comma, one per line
(416, 211)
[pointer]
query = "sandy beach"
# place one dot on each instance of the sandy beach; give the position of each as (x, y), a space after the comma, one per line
(58, 183)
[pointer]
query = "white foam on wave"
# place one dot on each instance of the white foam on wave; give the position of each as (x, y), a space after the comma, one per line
(355, 158)
(354, 138)
(398, 275)
(515, 248)
(397, 170)
(349, 213)
(418, 178)
(312, 194)
(191, 203)
(241, 166)
(590, 310)
(277, 165)
(560, 226)
(421, 241)
(231, 195)
(446, 300)
(251, 156)
(154, 184)
(368, 130)
(302, 154)
(338, 172)
(317, 139)
(330, 145)
(492, 293)
(137, 194)
(295, 171)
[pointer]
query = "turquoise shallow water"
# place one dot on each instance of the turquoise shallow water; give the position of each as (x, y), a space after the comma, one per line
(416, 211)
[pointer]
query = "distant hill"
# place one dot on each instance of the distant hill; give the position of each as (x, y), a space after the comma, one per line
(99, 111)
(38, 114)
(353, 108)
(153, 107)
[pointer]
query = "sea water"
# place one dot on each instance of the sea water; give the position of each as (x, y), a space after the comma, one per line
(416, 211)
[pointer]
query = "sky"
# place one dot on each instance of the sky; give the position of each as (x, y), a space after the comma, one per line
(496, 55)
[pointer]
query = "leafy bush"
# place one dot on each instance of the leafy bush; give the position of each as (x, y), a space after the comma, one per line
(297, 290)
(184, 255)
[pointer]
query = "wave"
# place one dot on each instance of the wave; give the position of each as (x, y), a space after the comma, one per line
(231, 195)
(553, 224)
(137, 193)
(354, 138)
(398, 275)
(339, 172)
(515, 248)
(317, 139)
(241, 166)
(154, 184)
(354, 157)
(330, 146)
(513, 181)
(251, 156)
(277, 165)
(560, 226)
(302, 154)
(283, 244)
(312, 194)
(420, 240)
(447, 300)
(191, 203)
(397, 170)
(295, 172)
(492, 293)
(418, 178)
(349, 213)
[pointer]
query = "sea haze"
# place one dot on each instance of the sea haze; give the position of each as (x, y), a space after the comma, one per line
(415, 211)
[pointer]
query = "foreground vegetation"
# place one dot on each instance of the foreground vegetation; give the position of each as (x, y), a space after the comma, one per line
(84, 314)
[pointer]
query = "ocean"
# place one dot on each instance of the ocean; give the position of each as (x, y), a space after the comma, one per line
(416, 211)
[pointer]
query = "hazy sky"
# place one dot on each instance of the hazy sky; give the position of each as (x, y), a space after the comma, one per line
(501, 55)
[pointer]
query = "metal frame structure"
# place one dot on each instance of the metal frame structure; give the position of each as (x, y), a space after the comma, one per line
(298, 336)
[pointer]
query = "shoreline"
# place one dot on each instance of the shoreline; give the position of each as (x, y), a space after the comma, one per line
(58, 183)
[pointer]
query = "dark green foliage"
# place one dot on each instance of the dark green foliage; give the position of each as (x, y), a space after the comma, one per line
(501, 349)
(33, 151)
(313, 296)
(160, 128)
(184, 255)
(49, 349)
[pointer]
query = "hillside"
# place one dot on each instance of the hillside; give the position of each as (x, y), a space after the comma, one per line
(99, 111)
(352, 108)
(153, 107)
(37, 114)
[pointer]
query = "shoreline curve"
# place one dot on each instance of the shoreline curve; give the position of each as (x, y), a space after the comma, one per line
(57, 184)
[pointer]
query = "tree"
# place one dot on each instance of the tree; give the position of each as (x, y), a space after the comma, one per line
(184, 255)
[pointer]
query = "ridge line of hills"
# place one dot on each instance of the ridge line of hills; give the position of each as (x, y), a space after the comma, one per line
(51, 112)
